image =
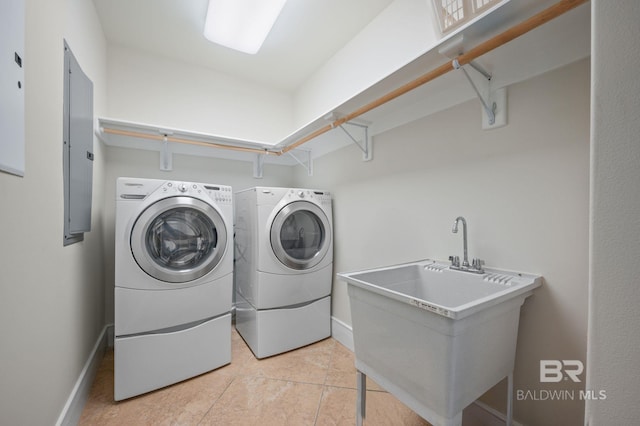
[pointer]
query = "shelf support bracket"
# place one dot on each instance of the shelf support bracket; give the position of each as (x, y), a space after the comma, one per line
(309, 163)
(366, 146)
(258, 166)
(489, 109)
(166, 157)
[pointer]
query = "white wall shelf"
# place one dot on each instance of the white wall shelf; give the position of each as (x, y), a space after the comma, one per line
(561, 41)
(169, 141)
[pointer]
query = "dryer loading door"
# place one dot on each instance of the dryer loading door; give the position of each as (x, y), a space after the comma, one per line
(300, 235)
(178, 239)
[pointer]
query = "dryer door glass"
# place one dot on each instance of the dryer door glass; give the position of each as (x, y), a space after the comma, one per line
(178, 239)
(300, 235)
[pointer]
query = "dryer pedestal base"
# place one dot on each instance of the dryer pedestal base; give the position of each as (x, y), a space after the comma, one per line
(274, 331)
(146, 362)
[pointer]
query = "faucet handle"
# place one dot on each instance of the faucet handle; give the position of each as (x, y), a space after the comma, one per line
(455, 261)
(477, 264)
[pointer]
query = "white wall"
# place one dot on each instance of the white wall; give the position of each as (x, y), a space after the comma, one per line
(150, 89)
(122, 162)
(52, 296)
(524, 190)
(396, 36)
(614, 337)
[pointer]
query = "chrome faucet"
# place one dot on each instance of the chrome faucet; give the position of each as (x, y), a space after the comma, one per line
(476, 266)
(465, 259)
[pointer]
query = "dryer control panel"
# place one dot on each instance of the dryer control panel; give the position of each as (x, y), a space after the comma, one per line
(321, 197)
(219, 193)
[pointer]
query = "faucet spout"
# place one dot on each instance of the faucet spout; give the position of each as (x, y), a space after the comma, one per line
(476, 267)
(465, 259)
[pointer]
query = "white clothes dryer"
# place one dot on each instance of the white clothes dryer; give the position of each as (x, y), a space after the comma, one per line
(173, 282)
(284, 267)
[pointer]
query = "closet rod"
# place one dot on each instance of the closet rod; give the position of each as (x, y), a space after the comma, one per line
(188, 141)
(512, 33)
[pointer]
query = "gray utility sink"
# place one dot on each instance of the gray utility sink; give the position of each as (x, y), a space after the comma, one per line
(435, 337)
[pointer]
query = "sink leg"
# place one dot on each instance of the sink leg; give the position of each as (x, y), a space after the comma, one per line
(509, 399)
(361, 398)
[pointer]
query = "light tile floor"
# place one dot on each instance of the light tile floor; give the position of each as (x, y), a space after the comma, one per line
(314, 385)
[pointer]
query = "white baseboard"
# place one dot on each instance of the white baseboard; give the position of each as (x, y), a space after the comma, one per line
(476, 414)
(72, 410)
(480, 414)
(342, 332)
(110, 335)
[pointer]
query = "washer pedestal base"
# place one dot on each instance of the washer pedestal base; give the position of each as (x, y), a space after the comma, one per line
(273, 331)
(145, 362)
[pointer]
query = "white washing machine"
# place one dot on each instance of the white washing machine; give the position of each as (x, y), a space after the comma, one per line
(173, 282)
(283, 269)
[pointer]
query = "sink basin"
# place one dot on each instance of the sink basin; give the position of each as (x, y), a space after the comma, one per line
(431, 285)
(434, 337)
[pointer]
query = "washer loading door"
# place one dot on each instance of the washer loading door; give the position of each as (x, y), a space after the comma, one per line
(178, 239)
(300, 235)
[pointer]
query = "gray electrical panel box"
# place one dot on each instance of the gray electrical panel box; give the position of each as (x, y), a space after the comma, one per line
(12, 86)
(77, 149)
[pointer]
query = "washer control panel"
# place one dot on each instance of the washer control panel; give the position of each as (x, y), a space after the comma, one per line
(219, 193)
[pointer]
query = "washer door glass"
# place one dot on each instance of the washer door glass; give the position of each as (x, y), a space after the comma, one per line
(178, 239)
(300, 235)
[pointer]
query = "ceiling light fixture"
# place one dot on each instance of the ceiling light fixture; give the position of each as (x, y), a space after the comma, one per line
(241, 24)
